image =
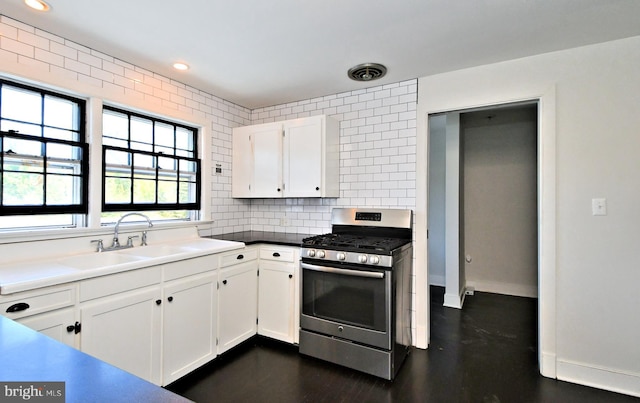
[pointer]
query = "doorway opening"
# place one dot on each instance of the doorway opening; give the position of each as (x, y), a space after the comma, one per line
(483, 201)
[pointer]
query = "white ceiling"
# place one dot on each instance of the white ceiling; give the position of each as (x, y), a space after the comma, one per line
(259, 53)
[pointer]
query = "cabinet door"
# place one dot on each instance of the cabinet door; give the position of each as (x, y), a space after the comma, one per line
(303, 171)
(242, 162)
(276, 301)
(237, 304)
(59, 325)
(267, 161)
(125, 331)
(189, 325)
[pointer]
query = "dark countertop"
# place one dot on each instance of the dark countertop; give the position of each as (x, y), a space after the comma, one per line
(253, 237)
(28, 356)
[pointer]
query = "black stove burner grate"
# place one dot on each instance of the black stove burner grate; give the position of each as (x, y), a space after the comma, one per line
(353, 243)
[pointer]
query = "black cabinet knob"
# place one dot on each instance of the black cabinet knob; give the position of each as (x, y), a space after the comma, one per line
(290, 275)
(71, 328)
(170, 299)
(240, 257)
(317, 188)
(224, 282)
(276, 254)
(158, 301)
(278, 189)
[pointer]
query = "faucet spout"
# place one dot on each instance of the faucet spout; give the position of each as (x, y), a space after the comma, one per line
(116, 242)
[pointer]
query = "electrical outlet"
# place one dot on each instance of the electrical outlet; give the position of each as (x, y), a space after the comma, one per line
(469, 290)
(599, 206)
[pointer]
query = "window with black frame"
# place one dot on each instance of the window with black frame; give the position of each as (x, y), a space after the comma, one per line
(43, 159)
(149, 165)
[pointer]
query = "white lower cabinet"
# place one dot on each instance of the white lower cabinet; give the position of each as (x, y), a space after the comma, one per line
(189, 328)
(159, 332)
(124, 330)
(49, 310)
(278, 294)
(237, 298)
(276, 300)
(60, 325)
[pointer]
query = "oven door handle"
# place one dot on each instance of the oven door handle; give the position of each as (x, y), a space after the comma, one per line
(346, 272)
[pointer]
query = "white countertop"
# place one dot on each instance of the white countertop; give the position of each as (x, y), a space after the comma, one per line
(43, 272)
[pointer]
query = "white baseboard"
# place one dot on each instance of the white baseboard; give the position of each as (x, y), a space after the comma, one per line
(518, 290)
(599, 377)
(452, 300)
(548, 365)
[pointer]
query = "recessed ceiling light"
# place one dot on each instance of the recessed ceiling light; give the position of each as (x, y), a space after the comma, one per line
(37, 5)
(180, 66)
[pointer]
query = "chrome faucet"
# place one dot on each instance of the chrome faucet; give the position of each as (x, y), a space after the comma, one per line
(116, 242)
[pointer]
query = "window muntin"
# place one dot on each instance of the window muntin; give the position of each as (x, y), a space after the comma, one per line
(149, 165)
(43, 158)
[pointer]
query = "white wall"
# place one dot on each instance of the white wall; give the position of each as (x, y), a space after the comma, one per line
(437, 200)
(500, 200)
(589, 147)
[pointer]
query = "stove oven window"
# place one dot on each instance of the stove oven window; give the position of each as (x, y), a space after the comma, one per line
(349, 300)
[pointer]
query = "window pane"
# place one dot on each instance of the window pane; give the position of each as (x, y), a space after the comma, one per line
(60, 189)
(184, 138)
(187, 166)
(186, 193)
(113, 157)
(141, 146)
(141, 130)
(61, 134)
(60, 112)
(115, 125)
(22, 147)
(144, 191)
(114, 142)
(167, 192)
(143, 161)
(164, 150)
(63, 151)
(26, 164)
(117, 190)
(164, 135)
(22, 189)
(31, 221)
(21, 104)
(22, 128)
(167, 163)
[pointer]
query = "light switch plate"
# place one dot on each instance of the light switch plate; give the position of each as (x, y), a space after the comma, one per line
(599, 206)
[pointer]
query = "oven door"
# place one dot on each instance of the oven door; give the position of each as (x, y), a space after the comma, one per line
(349, 302)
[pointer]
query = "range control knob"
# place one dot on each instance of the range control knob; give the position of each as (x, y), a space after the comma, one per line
(374, 260)
(311, 253)
(362, 258)
(320, 254)
(341, 256)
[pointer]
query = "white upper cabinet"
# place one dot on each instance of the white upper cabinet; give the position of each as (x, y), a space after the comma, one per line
(293, 158)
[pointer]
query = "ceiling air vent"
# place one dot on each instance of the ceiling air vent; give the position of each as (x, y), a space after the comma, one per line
(367, 72)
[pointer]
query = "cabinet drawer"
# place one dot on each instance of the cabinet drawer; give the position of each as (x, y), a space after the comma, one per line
(279, 254)
(188, 267)
(121, 282)
(37, 301)
(238, 256)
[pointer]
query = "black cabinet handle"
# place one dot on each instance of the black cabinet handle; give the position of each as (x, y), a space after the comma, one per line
(224, 282)
(317, 188)
(290, 275)
(158, 301)
(170, 299)
(276, 254)
(240, 257)
(71, 328)
(20, 306)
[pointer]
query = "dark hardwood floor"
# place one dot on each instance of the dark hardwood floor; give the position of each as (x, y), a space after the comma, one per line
(485, 352)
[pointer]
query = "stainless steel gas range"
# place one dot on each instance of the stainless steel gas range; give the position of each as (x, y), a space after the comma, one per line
(356, 291)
